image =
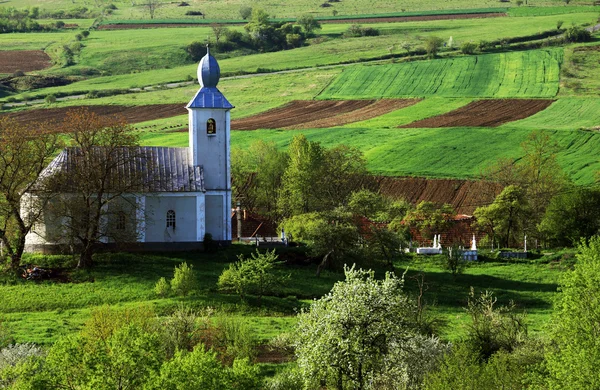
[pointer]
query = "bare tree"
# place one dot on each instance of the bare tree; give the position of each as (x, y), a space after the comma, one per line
(24, 151)
(97, 178)
(218, 30)
(152, 6)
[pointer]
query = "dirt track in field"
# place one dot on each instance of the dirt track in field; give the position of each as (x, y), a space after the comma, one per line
(464, 195)
(308, 114)
(395, 19)
(23, 60)
(485, 113)
(130, 114)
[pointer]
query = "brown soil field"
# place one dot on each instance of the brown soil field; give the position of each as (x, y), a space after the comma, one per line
(305, 114)
(485, 113)
(378, 108)
(131, 114)
(361, 20)
(23, 60)
(464, 195)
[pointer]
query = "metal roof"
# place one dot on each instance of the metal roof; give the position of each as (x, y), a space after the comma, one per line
(148, 169)
(208, 71)
(209, 97)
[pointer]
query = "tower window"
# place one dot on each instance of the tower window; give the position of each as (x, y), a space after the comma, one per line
(171, 219)
(211, 126)
(121, 221)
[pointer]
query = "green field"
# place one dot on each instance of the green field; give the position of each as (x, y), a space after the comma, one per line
(516, 74)
(564, 114)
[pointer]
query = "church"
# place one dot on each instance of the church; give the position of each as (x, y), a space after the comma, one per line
(190, 191)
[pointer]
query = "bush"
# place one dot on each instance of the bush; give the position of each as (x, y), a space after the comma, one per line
(196, 50)
(468, 48)
(18, 353)
(78, 37)
(233, 339)
(577, 34)
(289, 379)
(5, 337)
(194, 13)
(162, 287)
(255, 275)
(245, 12)
(50, 99)
(59, 24)
(454, 261)
(184, 280)
(180, 331)
(356, 30)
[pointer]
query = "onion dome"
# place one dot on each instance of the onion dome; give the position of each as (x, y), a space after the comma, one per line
(208, 71)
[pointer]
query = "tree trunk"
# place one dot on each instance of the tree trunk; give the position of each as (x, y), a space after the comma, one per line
(324, 263)
(85, 257)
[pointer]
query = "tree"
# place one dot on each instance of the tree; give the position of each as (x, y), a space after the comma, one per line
(506, 217)
(572, 216)
(245, 12)
(575, 335)
(219, 30)
(94, 190)
(254, 275)
(184, 280)
(430, 218)
(152, 6)
(309, 24)
(577, 34)
(351, 336)
(257, 176)
(24, 151)
(433, 45)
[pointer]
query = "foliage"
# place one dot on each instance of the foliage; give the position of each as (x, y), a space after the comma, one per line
(24, 151)
(505, 218)
(6, 338)
(309, 24)
(356, 30)
(572, 216)
(574, 333)
(162, 288)
(15, 354)
(432, 45)
(415, 78)
(184, 280)
(253, 275)
(233, 339)
(493, 328)
(577, 34)
(50, 99)
(367, 204)
(245, 12)
(430, 218)
(288, 379)
(346, 338)
(181, 331)
(196, 50)
(468, 48)
(454, 261)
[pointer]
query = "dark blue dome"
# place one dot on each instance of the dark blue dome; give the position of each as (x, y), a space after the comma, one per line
(208, 71)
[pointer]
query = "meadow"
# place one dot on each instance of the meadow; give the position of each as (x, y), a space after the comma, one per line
(42, 312)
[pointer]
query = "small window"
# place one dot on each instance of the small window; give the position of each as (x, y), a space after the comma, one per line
(171, 219)
(211, 126)
(121, 221)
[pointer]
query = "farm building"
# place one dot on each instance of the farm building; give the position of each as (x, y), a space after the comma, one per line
(184, 192)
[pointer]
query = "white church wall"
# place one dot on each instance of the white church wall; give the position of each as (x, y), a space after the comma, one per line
(186, 223)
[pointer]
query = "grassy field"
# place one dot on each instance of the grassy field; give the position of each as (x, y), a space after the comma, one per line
(565, 114)
(517, 74)
(579, 75)
(42, 312)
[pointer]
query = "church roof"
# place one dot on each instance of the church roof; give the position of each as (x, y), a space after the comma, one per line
(152, 169)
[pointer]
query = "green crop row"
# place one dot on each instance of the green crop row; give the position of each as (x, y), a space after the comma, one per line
(517, 74)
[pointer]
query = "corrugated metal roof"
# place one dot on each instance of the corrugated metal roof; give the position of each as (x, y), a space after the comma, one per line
(146, 169)
(209, 98)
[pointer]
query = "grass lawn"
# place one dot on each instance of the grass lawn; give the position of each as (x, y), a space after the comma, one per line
(41, 312)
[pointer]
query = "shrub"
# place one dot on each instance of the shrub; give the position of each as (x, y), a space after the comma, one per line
(18, 353)
(468, 48)
(245, 12)
(289, 379)
(577, 34)
(194, 13)
(196, 50)
(234, 339)
(50, 99)
(356, 30)
(433, 45)
(59, 24)
(255, 275)
(162, 287)
(78, 37)
(184, 280)
(180, 330)
(559, 24)
(453, 261)
(5, 337)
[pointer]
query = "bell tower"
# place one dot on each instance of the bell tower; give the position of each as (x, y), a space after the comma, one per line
(209, 138)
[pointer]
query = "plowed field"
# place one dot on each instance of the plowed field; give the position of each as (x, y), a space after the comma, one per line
(131, 114)
(307, 114)
(485, 113)
(464, 195)
(23, 60)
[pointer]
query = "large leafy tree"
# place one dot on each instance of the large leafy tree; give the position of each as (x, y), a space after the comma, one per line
(430, 218)
(353, 336)
(24, 153)
(506, 217)
(574, 356)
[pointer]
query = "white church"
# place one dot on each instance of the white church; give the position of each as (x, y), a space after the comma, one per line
(190, 194)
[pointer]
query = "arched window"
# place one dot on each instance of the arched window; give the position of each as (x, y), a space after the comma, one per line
(171, 219)
(121, 220)
(211, 126)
